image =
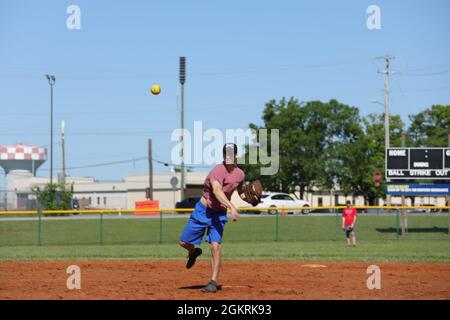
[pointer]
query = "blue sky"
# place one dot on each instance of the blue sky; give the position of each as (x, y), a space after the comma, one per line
(239, 55)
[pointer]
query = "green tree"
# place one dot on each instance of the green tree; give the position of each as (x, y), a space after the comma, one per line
(54, 196)
(324, 144)
(311, 138)
(430, 128)
(367, 155)
(344, 135)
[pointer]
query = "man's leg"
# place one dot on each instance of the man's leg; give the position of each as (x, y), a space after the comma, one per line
(192, 235)
(354, 238)
(189, 247)
(193, 253)
(215, 260)
(214, 238)
(347, 236)
(215, 267)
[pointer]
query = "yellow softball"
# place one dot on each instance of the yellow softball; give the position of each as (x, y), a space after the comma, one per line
(156, 89)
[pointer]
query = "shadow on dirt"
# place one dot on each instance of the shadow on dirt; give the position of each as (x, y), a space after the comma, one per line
(197, 287)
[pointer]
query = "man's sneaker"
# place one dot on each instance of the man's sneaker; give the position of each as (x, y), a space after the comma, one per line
(211, 287)
(192, 257)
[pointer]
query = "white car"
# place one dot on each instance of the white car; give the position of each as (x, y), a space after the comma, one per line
(282, 200)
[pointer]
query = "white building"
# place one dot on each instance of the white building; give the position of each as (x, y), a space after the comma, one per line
(109, 194)
(124, 193)
(20, 162)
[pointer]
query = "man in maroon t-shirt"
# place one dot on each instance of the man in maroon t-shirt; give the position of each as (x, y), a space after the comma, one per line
(349, 215)
(210, 212)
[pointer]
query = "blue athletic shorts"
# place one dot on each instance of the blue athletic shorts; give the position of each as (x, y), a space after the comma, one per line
(201, 220)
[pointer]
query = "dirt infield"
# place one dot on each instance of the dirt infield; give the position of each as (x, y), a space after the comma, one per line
(155, 279)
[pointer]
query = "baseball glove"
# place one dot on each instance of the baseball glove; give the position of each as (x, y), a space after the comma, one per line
(252, 192)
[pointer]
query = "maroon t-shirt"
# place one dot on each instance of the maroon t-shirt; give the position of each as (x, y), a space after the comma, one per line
(229, 181)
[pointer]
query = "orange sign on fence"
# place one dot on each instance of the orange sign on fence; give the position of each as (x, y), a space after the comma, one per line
(147, 204)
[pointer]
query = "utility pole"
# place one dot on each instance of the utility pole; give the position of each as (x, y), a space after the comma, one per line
(386, 73)
(63, 178)
(51, 81)
(150, 170)
(182, 81)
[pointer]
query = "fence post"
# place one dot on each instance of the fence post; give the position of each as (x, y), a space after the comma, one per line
(160, 226)
(276, 226)
(39, 227)
(101, 228)
(398, 224)
(336, 225)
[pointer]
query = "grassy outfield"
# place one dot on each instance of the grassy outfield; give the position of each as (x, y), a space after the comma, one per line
(265, 237)
(371, 251)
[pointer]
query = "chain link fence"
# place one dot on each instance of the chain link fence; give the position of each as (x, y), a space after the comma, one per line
(125, 227)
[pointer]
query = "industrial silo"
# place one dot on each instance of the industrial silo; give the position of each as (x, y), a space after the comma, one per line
(20, 162)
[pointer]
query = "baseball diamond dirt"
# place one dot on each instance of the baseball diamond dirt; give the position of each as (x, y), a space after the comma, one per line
(168, 279)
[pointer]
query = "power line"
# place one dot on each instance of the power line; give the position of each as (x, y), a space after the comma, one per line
(232, 71)
(104, 164)
(81, 156)
(130, 112)
(423, 74)
(87, 113)
(132, 160)
(427, 68)
(93, 133)
(422, 90)
(108, 133)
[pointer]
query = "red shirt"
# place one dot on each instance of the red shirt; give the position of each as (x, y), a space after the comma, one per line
(229, 181)
(349, 215)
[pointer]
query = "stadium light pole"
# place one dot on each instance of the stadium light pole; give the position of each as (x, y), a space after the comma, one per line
(182, 81)
(51, 81)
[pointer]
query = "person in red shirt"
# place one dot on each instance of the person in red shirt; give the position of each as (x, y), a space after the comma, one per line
(349, 215)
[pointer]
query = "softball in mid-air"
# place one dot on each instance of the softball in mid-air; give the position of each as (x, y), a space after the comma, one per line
(156, 89)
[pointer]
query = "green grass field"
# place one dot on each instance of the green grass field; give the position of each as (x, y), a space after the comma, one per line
(291, 237)
(373, 251)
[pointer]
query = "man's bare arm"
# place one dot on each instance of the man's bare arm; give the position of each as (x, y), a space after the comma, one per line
(220, 195)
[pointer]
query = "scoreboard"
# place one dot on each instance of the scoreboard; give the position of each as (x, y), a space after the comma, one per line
(417, 163)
